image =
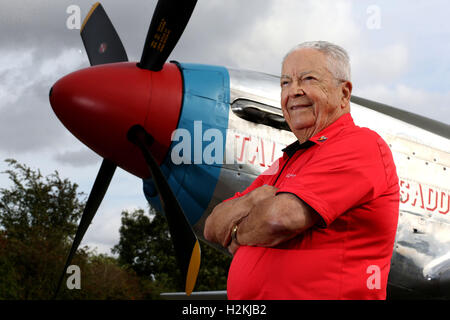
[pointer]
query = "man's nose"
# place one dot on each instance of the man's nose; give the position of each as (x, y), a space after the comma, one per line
(296, 89)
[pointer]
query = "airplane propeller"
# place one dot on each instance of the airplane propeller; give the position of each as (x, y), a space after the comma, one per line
(181, 232)
(168, 23)
(100, 39)
(103, 46)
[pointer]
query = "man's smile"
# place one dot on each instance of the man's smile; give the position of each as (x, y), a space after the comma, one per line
(299, 106)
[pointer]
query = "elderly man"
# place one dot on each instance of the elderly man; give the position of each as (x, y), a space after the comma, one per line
(323, 226)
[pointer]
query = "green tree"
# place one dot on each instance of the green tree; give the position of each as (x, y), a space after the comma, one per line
(146, 247)
(38, 220)
(38, 217)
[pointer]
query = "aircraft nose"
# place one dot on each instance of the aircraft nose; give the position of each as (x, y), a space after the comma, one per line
(100, 104)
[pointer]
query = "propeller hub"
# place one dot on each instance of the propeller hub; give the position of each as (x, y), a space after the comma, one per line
(101, 103)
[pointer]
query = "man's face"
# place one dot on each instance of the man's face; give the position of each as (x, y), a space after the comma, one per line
(311, 98)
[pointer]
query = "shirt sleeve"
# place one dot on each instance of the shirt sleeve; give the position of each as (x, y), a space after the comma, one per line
(341, 175)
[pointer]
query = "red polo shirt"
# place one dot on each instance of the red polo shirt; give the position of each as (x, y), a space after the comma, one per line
(347, 174)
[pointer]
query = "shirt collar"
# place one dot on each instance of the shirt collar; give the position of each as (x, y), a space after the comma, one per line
(291, 149)
(328, 133)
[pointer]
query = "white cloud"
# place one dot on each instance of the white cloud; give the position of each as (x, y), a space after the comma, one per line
(434, 105)
(387, 63)
(68, 60)
(27, 121)
(78, 158)
(21, 70)
(289, 23)
(15, 71)
(103, 233)
(124, 193)
(14, 60)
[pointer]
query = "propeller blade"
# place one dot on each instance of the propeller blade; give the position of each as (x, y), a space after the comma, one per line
(98, 191)
(100, 39)
(168, 23)
(187, 247)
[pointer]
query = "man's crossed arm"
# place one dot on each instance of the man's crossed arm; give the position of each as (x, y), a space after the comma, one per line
(263, 218)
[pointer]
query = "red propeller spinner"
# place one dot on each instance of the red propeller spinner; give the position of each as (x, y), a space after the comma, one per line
(101, 103)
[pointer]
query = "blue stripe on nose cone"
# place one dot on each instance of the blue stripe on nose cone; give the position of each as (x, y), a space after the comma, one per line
(201, 140)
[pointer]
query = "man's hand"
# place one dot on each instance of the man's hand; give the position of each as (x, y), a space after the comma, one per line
(232, 248)
(219, 223)
(226, 214)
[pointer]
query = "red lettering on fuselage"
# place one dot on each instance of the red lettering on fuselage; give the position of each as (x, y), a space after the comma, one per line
(445, 203)
(253, 151)
(421, 196)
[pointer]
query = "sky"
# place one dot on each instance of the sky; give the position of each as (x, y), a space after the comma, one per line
(399, 52)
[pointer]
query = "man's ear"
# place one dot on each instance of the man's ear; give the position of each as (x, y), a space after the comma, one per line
(346, 93)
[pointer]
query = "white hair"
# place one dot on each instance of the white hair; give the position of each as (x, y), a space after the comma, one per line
(338, 59)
